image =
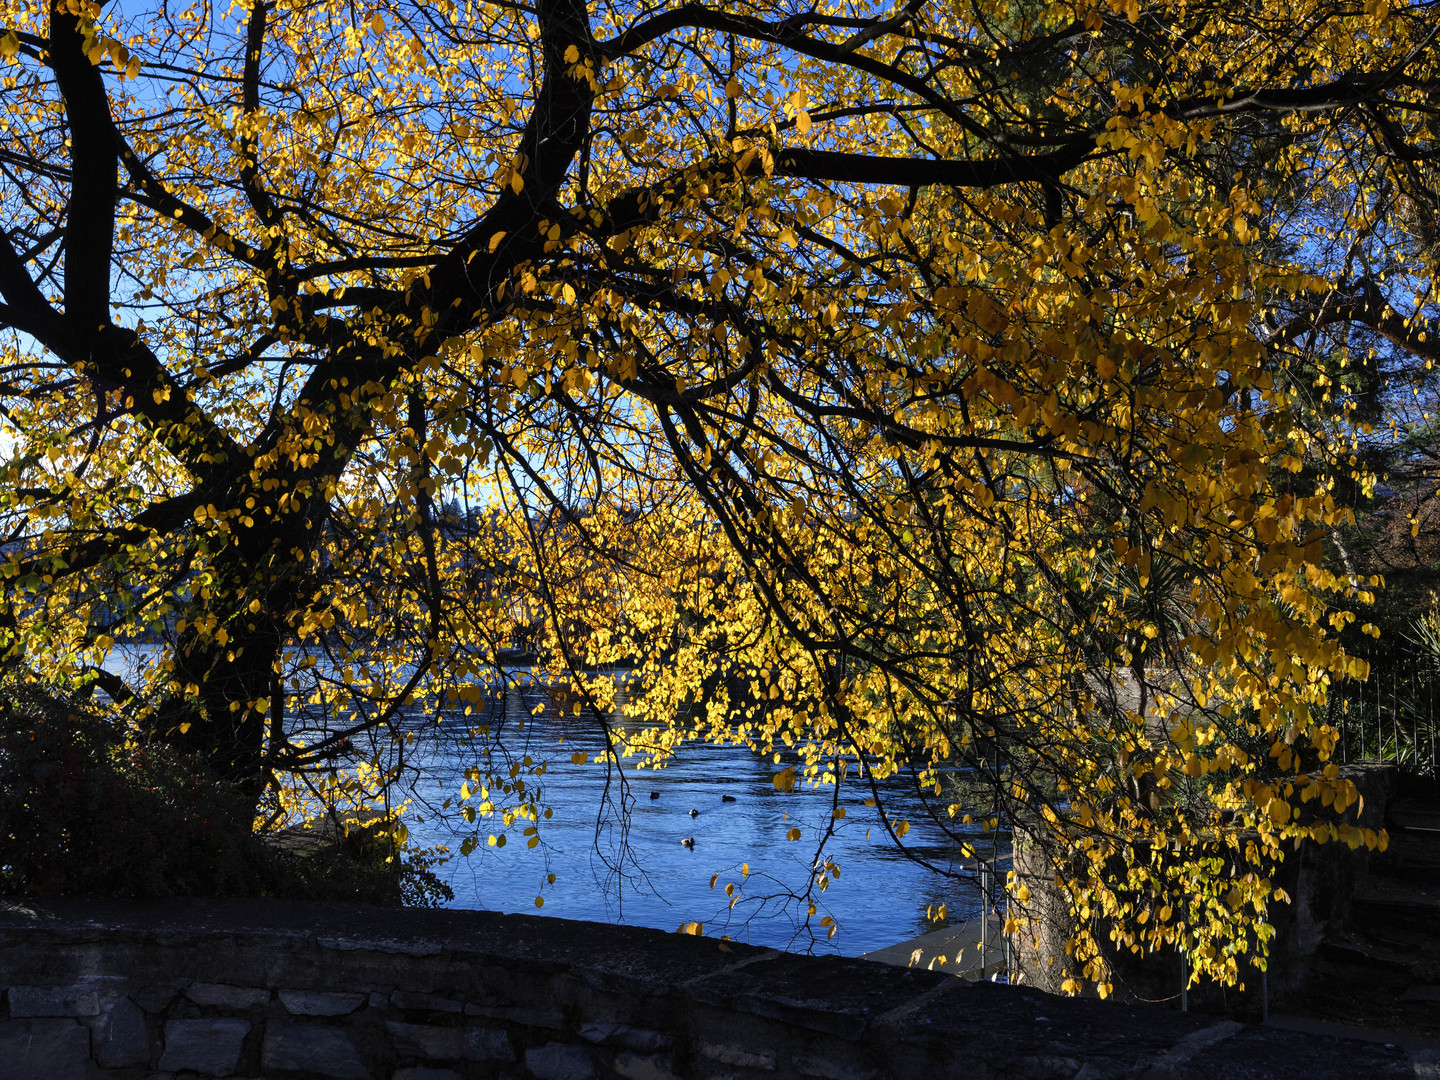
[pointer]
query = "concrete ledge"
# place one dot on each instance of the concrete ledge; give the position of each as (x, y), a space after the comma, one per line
(302, 991)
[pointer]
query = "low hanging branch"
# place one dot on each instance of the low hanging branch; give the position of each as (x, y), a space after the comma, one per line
(896, 385)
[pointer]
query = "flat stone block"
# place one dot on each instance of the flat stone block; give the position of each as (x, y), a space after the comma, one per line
(827, 1069)
(313, 1048)
(44, 1050)
(488, 1044)
(543, 1018)
(632, 1038)
(427, 1040)
(560, 1061)
(379, 1001)
(122, 1038)
(643, 1067)
(836, 995)
(79, 999)
(319, 1003)
(393, 946)
(738, 1055)
(156, 998)
(404, 999)
(227, 997)
(424, 1072)
(204, 1046)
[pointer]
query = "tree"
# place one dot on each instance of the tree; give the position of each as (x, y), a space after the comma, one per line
(903, 384)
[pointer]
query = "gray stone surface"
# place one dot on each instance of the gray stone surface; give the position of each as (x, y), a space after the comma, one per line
(225, 996)
(44, 1049)
(811, 1015)
(488, 1044)
(826, 1069)
(830, 994)
(643, 1066)
(538, 1017)
(427, 1040)
(404, 999)
(204, 1046)
(319, 1003)
(156, 997)
(79, 999)
(363, 942)
(632, 1038)
(425, 1072)
(738, 1055)
(560, 1061)
(379, 1001)
(121, 1038)
(315, 1048)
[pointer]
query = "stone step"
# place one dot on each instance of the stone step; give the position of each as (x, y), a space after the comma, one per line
(1414, 817)
(1409, 909)
(1411, 943)
(1412, 856)
(1350, 950)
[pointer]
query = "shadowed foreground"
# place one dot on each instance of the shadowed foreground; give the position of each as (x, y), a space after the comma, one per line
(296, 991)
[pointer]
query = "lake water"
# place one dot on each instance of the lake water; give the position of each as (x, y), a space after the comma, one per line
(631, 867)
(648, 878)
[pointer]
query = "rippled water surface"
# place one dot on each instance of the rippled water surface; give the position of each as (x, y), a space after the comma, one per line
(879, 899)
(633, 868)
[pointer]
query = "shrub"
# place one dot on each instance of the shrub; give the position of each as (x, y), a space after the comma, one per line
(86, 811)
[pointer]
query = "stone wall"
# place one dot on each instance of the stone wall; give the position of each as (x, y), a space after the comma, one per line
(333, 992)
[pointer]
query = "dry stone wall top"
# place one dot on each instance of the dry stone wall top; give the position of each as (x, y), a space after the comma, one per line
(187, 990)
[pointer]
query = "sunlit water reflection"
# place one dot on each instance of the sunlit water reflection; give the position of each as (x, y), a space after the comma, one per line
(879, 898)
(632, 867)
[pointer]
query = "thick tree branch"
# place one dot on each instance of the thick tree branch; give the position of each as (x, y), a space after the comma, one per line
(787, 34)
(1370, 310)
(90, 225)
(468, 276)
(924, 172)
(255, 192)
(27, 309)
(642, 206)
(151, 192)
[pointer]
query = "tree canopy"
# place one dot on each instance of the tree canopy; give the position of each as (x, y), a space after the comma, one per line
(957, 384)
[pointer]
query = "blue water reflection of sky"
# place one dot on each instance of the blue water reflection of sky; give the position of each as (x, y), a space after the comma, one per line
(635, 869)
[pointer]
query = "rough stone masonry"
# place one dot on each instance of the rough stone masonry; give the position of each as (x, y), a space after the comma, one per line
(198, 989)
